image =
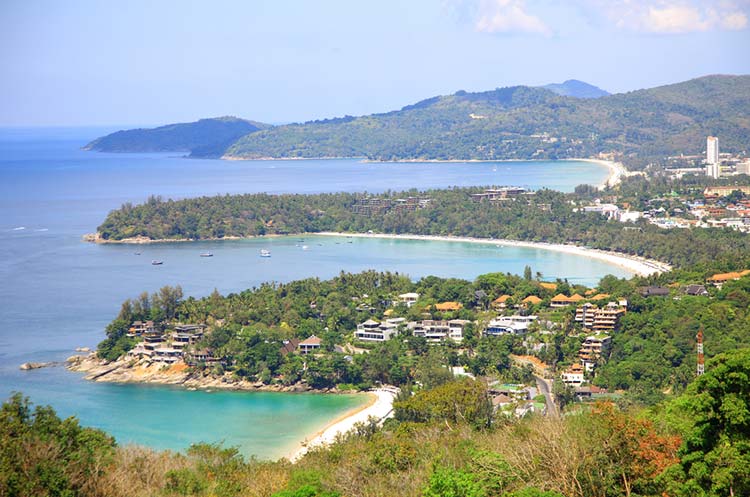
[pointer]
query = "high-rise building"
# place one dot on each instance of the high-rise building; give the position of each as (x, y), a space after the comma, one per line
(713, 165)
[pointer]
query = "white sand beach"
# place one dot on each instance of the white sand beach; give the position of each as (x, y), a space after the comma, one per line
(380, 408)
(637, 265)
(616, 171)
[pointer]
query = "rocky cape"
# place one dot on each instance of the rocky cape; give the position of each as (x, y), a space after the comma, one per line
(130, 370)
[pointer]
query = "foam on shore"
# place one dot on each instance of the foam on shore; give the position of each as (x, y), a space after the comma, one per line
(637, 265)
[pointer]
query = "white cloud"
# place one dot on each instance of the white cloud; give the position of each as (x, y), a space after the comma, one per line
(507, 16)
(675, 16)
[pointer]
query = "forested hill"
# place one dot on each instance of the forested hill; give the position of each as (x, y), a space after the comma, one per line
(203, 138)
(524, 123)
(575, 88)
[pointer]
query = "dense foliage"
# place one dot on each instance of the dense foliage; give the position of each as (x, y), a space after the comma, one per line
(43, 455)
(525, 123)
(204, 138)
(547, 216)
(694, 445)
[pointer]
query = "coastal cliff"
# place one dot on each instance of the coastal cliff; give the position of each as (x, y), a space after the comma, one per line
(128, 370)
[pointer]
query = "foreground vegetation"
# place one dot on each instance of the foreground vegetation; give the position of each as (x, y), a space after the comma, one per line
(693, 445)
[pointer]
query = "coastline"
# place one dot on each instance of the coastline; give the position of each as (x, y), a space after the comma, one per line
(380, 407)
(640, 266)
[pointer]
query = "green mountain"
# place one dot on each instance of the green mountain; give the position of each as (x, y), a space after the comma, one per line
(527, 123)
(575, 88)
(203, 138)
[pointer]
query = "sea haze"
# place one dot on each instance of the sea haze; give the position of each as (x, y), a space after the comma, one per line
(59, 293)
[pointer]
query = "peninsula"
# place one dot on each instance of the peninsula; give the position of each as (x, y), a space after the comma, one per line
(517, 122)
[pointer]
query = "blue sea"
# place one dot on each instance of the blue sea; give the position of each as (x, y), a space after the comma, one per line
(58, 293)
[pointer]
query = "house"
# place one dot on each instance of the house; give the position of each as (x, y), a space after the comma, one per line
(573, 376)
(561, 300)
(448, 306)
(408, 298)
(589, 392)
(548, 286)
(289, 346)
(531, 300)
(309, 345)
(654, 291)
(719, 279)
(373, 331)
(139, 328)
(500, 401)
(698, 290)
(501, 302)
(202, 355)
(436, 331)
(503, 325)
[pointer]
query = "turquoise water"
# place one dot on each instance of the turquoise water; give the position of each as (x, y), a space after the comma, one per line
(58, 293)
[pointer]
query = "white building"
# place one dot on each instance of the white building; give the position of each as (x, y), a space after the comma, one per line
(713, 164)
(436, 331)
(502, 325)
(372, 331)
(408, 298)
(573, 376)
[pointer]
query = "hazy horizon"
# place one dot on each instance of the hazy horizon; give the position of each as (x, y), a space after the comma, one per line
(88, 63)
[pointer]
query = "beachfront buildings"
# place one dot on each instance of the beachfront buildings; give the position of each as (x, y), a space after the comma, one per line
(309, 345)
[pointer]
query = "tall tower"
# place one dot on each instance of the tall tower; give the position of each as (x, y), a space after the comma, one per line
(701, 367)
(713, 166)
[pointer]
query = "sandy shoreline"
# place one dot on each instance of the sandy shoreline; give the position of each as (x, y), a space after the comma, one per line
(616, 171)
(636, 265)
(379, 407)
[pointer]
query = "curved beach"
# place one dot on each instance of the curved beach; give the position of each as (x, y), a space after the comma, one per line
(380, 407)
(640, 266)
(617, 171)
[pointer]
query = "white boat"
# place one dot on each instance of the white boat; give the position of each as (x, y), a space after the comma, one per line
(157, 263)
(305, 247)
(265, 253)
(207, 254)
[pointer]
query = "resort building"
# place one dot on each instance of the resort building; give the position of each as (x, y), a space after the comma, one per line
(437, 331)
(448, 306)
(139, 328)
(500, 194)
(718, 280)
(503, 325)
(501, 302)
(373, 331)
(408, 298)
(573, 376)
(531, 300)
(592, 349)
(309, 345)
(561, 300)
(601, 320)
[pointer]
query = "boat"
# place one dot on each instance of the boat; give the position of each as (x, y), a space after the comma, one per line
(265, 253)
(137, 253)
(305, 247)
(207, 254)
(157, 263)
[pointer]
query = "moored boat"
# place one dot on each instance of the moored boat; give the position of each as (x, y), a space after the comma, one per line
(265, 253)
(157, 263)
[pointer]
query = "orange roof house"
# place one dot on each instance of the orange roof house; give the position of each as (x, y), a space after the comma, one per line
(720, 278)
(600, 296)
(448, 306)
(501, 301)
(548, 286)
(561, 300)
(531, 299)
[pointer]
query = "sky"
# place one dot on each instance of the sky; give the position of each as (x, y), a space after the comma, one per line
(136, 62)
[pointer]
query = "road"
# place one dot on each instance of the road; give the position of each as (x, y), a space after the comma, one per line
(545, 386)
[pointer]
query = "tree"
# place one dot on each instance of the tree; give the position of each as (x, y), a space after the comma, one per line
(715, 457)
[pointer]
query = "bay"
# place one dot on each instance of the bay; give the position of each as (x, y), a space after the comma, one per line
(58, 293)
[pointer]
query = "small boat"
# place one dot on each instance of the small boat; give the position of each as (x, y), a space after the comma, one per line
(207, 254)
(265, 253)
(305, 247)
(157, 263)
(137, 253)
